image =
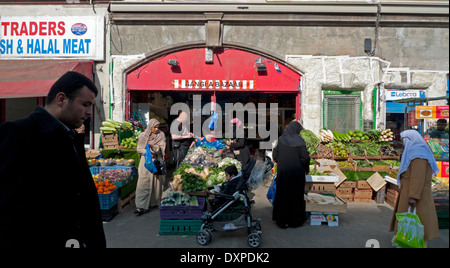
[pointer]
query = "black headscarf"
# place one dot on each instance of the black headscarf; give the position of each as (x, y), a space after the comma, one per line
(291, 135)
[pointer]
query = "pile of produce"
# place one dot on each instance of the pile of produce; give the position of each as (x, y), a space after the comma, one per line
(178, 198)
(110, 127)
(387, 135)
(339, 149)
(387, 150)
(201, 156)
(192, 183)
(112, 175)
(201, 168)
(371, 143)
(311, 140)
(129, 142)
(326, 135)
(105, 187)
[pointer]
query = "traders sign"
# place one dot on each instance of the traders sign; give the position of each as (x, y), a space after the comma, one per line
(52, 37)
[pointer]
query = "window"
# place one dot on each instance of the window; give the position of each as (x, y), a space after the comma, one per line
(342, 110)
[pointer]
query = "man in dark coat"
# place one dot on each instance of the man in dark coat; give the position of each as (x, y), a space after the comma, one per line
(47, 195)
(292, 159)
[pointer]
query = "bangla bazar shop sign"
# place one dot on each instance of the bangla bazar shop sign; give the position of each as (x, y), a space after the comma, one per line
(52, 37)
(214, 84)
(431, 112)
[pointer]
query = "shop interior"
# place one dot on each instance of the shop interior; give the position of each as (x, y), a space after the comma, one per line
(150, 104)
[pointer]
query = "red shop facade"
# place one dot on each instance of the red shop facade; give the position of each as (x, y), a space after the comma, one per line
(222, 75)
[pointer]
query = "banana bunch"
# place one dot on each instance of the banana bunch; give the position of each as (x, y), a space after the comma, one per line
(326, 135)
(110, 126)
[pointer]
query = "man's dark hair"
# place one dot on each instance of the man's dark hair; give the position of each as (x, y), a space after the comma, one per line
(232, 170)
(70, 84)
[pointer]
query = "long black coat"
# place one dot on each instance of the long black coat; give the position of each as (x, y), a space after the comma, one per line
(289, 204)
(47, 195)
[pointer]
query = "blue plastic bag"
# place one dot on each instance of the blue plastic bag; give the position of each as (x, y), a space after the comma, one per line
(213, 120)
(272, 189)
(149, 165)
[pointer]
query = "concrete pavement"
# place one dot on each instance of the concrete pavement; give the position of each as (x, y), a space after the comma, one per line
(362, 222)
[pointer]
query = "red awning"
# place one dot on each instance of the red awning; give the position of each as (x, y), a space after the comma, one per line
(34, 78)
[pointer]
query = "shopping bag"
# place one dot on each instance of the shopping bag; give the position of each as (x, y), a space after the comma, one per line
(160, 167)
(272, 189)
(149, 165)
(410, 231)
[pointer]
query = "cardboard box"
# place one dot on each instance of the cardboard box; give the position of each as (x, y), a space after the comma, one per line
(312, 206)
(332, 218)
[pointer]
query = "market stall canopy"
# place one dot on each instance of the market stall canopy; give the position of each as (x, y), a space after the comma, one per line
(34, 78)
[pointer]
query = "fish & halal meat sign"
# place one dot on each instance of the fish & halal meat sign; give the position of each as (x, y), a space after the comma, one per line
(52, 37)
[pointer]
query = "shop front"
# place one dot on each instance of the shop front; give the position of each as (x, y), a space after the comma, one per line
(36, 50)
(209, 81)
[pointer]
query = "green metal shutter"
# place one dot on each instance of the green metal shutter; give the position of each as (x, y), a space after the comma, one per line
(342, 112)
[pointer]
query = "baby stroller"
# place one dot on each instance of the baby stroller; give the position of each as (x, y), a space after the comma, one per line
(238, 204)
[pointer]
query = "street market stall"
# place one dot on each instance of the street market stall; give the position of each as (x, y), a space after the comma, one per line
(368, 167)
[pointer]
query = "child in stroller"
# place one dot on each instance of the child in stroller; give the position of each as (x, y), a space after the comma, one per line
(234, 199)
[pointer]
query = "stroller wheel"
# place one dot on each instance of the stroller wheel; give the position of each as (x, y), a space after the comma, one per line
(204, 237)
(254, 240)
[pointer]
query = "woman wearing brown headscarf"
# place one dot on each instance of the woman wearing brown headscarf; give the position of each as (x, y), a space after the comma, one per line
(149, 187)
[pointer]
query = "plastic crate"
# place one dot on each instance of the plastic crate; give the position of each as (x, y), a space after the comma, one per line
(182, 212)
(128, 189)
(180, 227)
(109, 214)
(107, 201)
(442, 219)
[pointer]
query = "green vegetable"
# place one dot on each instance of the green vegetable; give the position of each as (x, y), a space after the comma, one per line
(311, 140)
(192, 183)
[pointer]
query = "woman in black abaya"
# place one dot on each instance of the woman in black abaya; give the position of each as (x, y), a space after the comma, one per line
(292, 159)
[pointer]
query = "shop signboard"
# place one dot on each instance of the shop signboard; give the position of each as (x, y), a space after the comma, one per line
(45, 37)
(431, 112)
(213, 84)
(394, 94)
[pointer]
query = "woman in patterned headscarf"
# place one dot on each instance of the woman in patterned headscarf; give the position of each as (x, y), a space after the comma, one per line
(150, 186)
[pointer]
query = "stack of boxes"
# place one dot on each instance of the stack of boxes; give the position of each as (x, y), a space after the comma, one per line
(363, 192)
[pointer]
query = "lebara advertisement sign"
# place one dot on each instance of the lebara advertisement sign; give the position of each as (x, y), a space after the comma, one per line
(52, 37)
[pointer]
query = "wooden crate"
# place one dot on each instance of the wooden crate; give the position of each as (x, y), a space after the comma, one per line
(344, 190)
(346, 197)
(348, 184)
(320, 188)
(110, 141)
(362, 185)
(361, 200)
(363, 193)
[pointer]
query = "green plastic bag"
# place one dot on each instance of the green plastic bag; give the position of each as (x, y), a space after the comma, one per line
(410, 231)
